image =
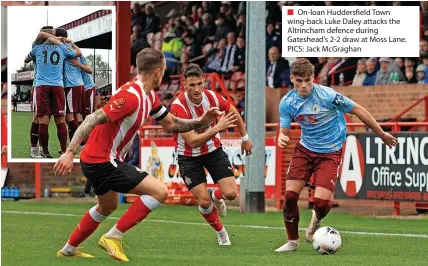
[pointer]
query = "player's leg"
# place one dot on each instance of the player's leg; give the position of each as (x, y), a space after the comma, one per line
(193, 173)
(107, 204)
(43, 112)
(72, 124)
(326, 169)
(34, 129)
(34, 138)
(58, 110)
(218, 165)
(208, 210)
(299, 173)
(77, 99)
(152, 192)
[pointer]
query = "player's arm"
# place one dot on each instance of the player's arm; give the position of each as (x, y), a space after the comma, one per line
(85, 67)
(247, 144)
(43, 36)
(196, 140)
(285, 123)
(85, 129)
(77, 49)
(369, 120)
(27, 60)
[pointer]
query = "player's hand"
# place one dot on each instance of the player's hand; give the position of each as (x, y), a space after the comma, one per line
(64, 165)
(388, 139)
(226, 121)
(74, 62)
(283, 140)
(247, 146)
(3, 149)
(210, 115)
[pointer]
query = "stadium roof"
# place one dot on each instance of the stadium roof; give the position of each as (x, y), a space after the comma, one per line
(92, 31)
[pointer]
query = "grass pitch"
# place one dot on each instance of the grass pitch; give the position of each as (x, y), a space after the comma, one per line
(32, 233)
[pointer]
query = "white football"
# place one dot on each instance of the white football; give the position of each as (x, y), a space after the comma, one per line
(327, 240)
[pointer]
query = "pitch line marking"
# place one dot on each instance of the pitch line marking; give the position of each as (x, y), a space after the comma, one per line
(229, 225)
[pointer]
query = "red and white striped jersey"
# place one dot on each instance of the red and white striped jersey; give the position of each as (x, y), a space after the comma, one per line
(127, 110)
(182, 107)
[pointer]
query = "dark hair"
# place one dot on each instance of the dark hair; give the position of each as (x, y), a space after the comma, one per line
(192, 70)
(302, 68)
(60, 32)
(47, 28)
(148, 60)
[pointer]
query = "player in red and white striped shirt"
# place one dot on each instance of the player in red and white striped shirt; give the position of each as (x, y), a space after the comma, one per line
(201, 149)
(111, 130)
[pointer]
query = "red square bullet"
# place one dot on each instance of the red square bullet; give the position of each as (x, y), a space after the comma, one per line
(290, 12)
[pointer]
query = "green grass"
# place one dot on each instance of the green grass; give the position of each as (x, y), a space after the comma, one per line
(21, 124)
(31, 239)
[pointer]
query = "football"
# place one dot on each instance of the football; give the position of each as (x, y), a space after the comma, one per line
(327, 240)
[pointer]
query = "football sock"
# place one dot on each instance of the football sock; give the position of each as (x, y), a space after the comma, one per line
(61, 131)
(321, 207)
(138, 210)
(211, 216)
(72, 127)
(84, 229)
(34, 134)
(291, 215)
(44, 138)
(217, 195)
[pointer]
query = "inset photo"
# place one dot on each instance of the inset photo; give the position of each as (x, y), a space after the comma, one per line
(61, 68)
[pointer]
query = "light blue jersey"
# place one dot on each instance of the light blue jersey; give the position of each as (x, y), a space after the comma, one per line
(88, 82)
(49, 62)
(72, 75)
(320, 117)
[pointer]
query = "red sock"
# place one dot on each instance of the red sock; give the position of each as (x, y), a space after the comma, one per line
(218, 195)
(291, 215)
(34, 134)
(138, 210)
(72, 127)
(211, 216)
(86, 227)
(44, 138)
(61, 131)
(321, 207)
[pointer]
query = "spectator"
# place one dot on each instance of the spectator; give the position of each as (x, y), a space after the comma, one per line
(229, 56)
(200, 13)
(319, 65)
(193, 48)
(194, 16)
(241, 25)
(151, 22)
(410, 75)
(137, 17)
(360, 75)
(239, 61)
(207, 30)
(420, 73)
(423, 47)
(222, 28)
(382, 76)
(425, 62)
(371, 73)
(230, 19)
(172, 48)
(399, 63)
(215, 57)
(275, 69)
(322, 77)
(272, 37)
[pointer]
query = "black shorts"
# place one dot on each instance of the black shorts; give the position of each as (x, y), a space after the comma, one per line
(192, 168)
(104, 177)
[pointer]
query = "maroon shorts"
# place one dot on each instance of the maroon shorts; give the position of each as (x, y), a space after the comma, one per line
(324, 166)
(49, 100)
(74, 97)
(89, 101)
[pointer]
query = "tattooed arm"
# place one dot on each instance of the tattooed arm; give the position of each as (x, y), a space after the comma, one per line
(85, 129)
(178, 125)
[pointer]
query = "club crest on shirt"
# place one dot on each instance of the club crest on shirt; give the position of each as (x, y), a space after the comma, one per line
(119, 103)
(316, 108)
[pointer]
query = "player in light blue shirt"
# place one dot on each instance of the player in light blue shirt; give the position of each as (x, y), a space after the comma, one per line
(319, 112)
(89, 85)
(49, 53)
